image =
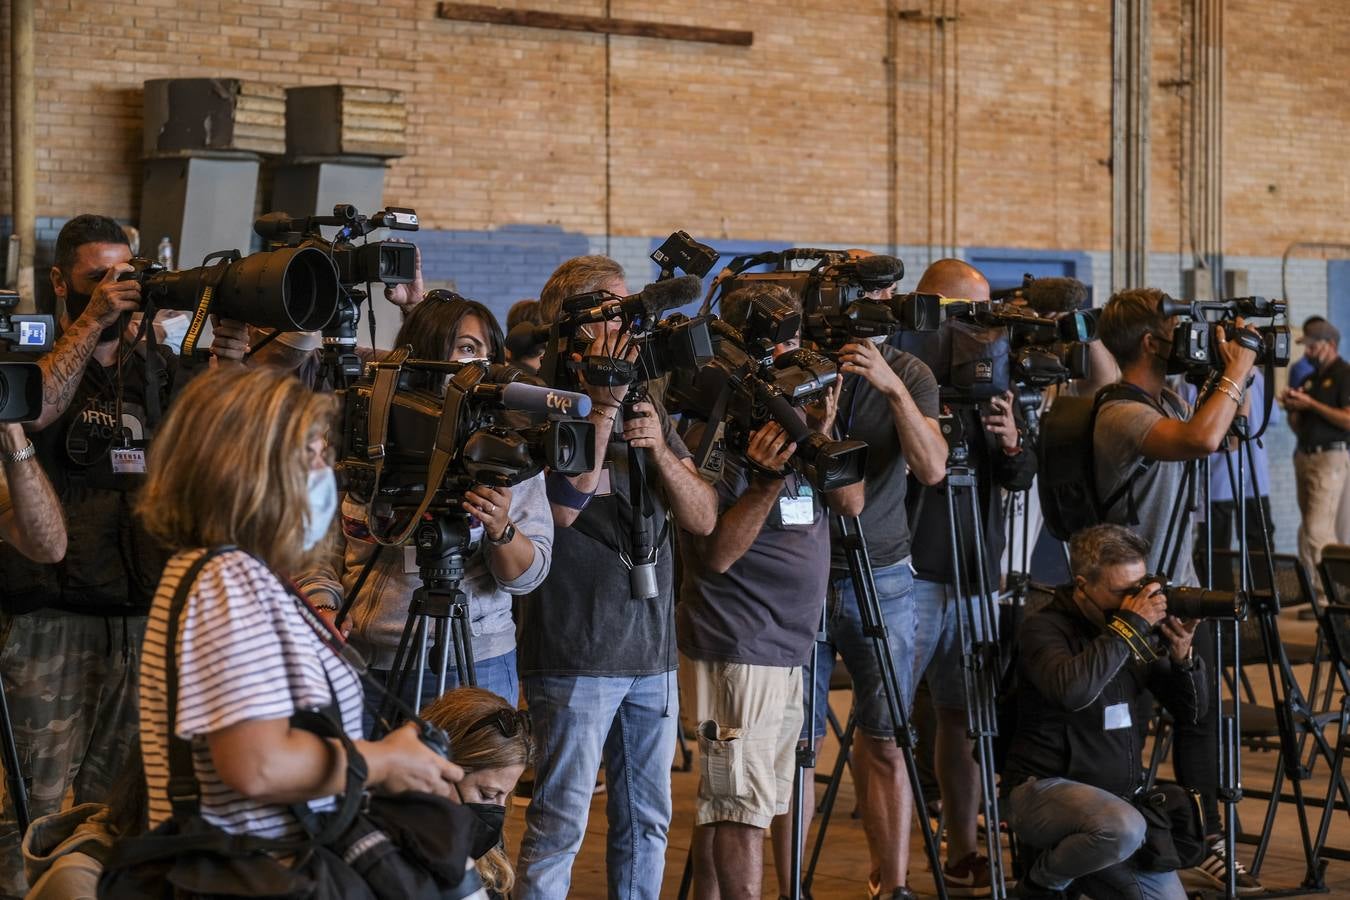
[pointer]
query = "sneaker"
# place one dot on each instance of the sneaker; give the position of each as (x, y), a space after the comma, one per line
(968, 876)
(1213, 873)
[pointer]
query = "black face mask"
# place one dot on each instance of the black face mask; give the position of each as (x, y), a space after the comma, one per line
(75, 306)
(486, 830)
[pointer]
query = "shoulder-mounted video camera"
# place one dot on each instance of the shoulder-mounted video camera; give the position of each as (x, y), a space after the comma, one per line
(744, 386)
(833, 293)
(417, 434)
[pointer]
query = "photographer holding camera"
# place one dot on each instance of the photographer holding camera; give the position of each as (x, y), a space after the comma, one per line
(1001, 461)
(1141, 446)
(596, 664)
(890, 401)
(744, 632)
(72, 630)
(512, 555)
(1088, 669)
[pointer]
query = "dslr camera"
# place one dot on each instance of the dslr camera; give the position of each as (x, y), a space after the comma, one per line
(833, 294)
(744, 386)
(1194, 340)
(1198, 603)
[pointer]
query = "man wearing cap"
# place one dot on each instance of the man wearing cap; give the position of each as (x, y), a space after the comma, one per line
(1319, 413)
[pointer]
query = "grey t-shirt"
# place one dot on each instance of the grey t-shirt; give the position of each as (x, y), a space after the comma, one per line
(865, 415)
(1121, 428)
(765, 609)
(583, 620)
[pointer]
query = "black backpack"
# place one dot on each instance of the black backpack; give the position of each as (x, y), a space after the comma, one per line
(1067, 477)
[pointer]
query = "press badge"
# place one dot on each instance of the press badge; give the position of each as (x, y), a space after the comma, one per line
(798, 510)
(1117, 716)
(128, 461)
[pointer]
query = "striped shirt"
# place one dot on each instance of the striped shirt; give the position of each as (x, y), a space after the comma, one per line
(246, 651)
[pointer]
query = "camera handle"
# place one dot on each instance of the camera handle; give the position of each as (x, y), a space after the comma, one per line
(641, 558)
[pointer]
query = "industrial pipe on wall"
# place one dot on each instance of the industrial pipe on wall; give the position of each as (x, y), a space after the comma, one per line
(23, 112)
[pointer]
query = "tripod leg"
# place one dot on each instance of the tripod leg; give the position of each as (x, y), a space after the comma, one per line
(14, 783)
(827, 803)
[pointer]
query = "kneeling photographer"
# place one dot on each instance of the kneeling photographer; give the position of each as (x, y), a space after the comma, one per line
(512, 555)
(1089, 666)
(1143, 436)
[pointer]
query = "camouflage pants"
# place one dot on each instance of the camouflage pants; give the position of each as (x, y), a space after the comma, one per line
(70, 682)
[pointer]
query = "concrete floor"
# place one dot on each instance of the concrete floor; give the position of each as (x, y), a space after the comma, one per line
(844, 864)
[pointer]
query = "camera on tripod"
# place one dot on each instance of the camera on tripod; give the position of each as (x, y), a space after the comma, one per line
(420, 433)
(833, 293)
(1194, 340)
(21, 379)
(1198, 603)
(987, 348)
(744, 386)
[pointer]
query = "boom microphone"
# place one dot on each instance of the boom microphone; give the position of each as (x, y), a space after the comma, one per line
(533, 398)
(661, 296)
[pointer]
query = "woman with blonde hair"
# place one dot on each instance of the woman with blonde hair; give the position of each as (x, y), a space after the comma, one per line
(241, 462)
(491, 740)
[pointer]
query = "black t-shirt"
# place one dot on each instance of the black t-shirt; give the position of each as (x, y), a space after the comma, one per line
(583, 620)
(865, 415)
(765, 609)
(1332, 387)
(112, 565)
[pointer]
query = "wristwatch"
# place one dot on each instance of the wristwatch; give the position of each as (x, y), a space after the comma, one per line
(508, 535)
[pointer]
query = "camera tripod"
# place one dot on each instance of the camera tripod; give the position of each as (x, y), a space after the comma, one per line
(438, 606)
(854, 544)
(1295, 720)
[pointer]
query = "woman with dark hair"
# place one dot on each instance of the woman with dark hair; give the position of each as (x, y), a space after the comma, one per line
(511, 535)
(491, 741)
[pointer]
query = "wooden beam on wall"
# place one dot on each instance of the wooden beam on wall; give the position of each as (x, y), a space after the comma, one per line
(532, 18)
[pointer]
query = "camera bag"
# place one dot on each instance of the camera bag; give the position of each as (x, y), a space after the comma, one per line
(1175, 835)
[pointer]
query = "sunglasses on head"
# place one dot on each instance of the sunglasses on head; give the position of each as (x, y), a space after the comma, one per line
(510, 722)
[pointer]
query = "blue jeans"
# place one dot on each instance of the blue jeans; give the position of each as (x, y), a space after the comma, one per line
(1085, 835)
(937, 643)
(844, 635)
(496, 674)
(580, 721)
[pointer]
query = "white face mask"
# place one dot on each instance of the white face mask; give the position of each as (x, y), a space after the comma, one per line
(175, 329)
(323, 502)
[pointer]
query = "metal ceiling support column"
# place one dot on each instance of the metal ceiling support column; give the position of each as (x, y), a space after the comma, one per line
(1129, 143)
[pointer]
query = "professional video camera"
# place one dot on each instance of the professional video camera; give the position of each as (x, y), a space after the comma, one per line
(417, 434)
(662, 345)
(833, 294)
(987, 348)
(21, 379)
(743, 386)
(1198, 603)
(1193, 340)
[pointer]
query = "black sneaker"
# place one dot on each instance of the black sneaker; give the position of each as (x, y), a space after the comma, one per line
(900, 893)
(1212, 872)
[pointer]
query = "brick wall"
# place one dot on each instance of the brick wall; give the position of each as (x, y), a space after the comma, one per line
(786, 140)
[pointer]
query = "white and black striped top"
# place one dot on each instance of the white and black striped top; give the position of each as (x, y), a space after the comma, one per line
(246, 651)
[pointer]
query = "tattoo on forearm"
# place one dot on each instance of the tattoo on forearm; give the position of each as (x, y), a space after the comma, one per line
(61, 369)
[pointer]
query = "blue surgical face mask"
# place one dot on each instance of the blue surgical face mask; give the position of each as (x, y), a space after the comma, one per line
(323, 502)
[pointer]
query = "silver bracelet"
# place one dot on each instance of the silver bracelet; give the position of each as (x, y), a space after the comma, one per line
(18, 456)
